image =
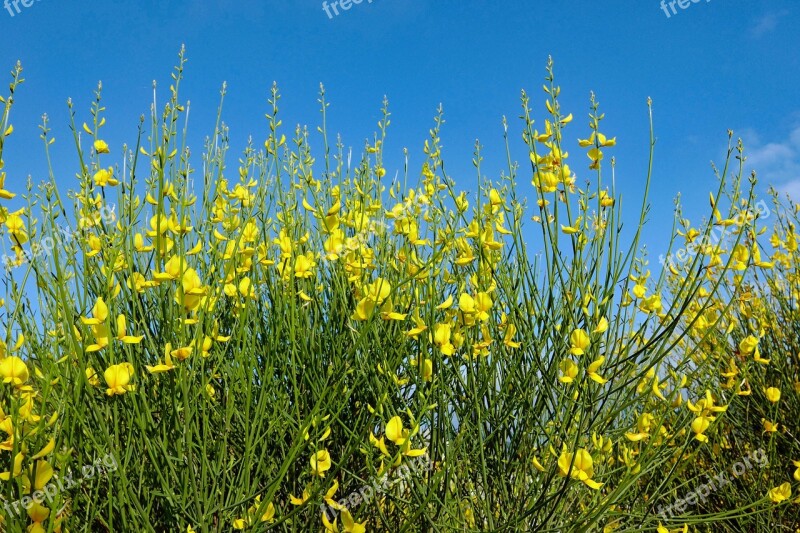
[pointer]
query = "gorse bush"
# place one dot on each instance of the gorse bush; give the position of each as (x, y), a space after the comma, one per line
(304, 344)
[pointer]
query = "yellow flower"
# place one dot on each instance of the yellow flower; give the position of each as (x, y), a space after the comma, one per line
(294, 500)
(643, 426)
(303, 266)
(569, 371)
(378, 290)
(166, 366)
(781, 493)
(570, 230)
(267, 516)
(740, 256)
(769, 427)
(579, 342)
(104, 177)
(441, 337)
(122, 334)
(483, 303)
(181, 354)
(582, 467)
(43, 474)
(320, 463)
(118, 378)
(699, 426)
(192, 290)
(364, 309)
(546, 181)
(101, 147)
(662, 529)
(466, 304)
(639, 290)
(4, 194)
(99, 313)
(269, 513)
(13, 370)
(91, 376)
(49, 447)
(350, 525)
(427, 370)
(380, 444)
(748, 345)
(395, 431)
(173, 268)
(592, 371)
(16, 227)
(773, 394)
(706, 406)
(101, 334)
(602, 326)
(447, 304)
(38, 513)
(796, 474)
(651, 304)
(16, 471)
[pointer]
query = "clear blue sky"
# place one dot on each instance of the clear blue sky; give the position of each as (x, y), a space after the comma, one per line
(715, 65)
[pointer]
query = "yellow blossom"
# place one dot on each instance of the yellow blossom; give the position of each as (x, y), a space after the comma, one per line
(13, 370)
(578, 466)
(118, 379)
(320, 463)
(579, 342)
(780, 493)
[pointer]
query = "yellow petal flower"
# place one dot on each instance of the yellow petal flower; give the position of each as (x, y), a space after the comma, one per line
(49, 447)
(446, 304)
(781, 493)
(592, 371)
(579, 342)
(320, 463)
(602, 326)
(99, 313)
(773, 394)
(13, 370)
(118, 379)
(101, 147)
(394, 430)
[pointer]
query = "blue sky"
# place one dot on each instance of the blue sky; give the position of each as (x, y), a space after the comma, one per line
(714, 66)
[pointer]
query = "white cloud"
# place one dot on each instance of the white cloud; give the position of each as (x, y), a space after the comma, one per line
(766, 23)
(776, 163)
(792, 189)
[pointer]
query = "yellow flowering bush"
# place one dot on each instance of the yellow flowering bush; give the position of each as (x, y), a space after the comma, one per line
(300, 342)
